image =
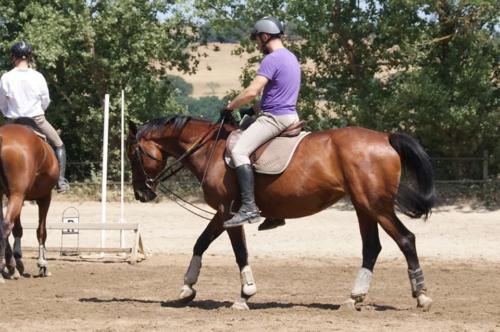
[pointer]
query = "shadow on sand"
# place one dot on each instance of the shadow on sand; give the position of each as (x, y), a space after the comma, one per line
(213, 305)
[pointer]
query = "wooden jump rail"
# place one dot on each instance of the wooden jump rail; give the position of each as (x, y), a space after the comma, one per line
(134, 251)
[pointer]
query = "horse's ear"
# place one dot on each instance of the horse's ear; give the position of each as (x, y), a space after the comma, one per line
(132, 129)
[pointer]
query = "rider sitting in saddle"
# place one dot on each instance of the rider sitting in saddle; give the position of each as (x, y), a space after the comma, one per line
(278, 78)
(24, 94)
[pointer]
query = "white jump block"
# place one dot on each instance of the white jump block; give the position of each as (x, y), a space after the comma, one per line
(135, 253)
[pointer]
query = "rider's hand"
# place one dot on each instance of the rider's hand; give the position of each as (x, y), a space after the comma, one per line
(247, 111)
(225, 111)
(225, 114)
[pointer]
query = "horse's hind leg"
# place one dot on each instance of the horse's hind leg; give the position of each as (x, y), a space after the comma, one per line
(406, 242)
(11, 271)
(13, 211)
(3, 242)
(43, 208)
(15, 264)
(371, 248)
(17, 232)
(373, 194)
(211, 232)
(248, 287)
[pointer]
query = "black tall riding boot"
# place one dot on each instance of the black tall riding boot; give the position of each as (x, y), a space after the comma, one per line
(248, 212)
(270, 223)
(62, 183)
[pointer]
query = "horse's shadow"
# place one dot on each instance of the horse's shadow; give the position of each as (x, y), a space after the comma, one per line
(214, 305)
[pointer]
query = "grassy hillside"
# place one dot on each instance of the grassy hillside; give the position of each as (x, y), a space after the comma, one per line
(217, 73)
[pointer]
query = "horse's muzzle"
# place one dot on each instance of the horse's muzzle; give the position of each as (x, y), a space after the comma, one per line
(144, 195)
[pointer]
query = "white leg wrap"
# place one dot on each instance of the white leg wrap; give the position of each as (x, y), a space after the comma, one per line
(416, 281)
(362, 283)
(247, 282)
(191, 276)
(42, 260)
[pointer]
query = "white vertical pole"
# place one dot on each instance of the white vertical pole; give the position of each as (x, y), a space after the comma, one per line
(104, 168)
(122, 171)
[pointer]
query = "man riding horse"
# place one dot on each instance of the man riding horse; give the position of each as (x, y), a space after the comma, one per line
(278, 79)
(24, 94)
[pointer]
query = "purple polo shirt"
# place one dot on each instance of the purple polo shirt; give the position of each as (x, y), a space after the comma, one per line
(280, 94)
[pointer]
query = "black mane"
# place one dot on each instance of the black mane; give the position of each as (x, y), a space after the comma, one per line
(178, 121)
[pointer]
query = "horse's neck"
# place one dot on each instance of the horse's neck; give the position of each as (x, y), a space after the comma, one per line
(198, 161)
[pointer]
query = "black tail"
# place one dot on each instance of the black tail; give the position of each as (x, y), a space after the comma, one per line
(414, 203)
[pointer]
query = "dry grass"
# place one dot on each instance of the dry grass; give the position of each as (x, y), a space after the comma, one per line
(218, 73)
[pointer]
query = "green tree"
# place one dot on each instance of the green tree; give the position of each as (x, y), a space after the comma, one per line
(88, 48)
(429, 69)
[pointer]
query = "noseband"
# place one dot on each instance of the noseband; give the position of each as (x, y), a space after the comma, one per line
(139, 151)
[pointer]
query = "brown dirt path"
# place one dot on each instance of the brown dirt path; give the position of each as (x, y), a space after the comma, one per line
(304, 271)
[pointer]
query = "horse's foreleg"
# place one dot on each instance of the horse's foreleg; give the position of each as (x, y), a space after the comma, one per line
(43, 208)
(406, 242)
(211, 232)
(248, 286)
(371, 249)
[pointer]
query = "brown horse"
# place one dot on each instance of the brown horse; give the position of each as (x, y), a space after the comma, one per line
(29, 170)
(328, 165)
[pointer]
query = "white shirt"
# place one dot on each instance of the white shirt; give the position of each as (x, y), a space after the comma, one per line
(23, 93)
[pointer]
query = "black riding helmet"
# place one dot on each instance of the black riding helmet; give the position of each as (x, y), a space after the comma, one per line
(21, 50)
(269, 25)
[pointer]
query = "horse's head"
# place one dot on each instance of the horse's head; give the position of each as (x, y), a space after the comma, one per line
(147, 160)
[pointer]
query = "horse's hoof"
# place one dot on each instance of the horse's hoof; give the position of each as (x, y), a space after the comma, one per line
(240, 304)
(2, 281)
(358, 298)
(187, 294)
(14, 275)
(349, 305)
(43, 273)
(424, 302)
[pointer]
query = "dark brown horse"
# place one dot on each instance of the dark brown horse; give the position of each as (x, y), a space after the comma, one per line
(28, 171)
(328, 165)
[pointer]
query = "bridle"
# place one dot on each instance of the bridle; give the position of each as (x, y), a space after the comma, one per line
(172, 169)
(139, 151)
(175, 167)
(169, 170)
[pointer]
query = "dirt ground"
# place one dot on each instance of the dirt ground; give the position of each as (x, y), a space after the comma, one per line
(304, 271)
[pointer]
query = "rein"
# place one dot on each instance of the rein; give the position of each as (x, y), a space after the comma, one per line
(175, 167)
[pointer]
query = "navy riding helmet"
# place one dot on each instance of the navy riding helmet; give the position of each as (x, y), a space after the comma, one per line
(21, 50)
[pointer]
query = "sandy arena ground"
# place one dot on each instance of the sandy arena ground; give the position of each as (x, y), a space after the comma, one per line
(304, 271)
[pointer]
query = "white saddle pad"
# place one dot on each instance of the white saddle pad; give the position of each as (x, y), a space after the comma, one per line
(275, 158)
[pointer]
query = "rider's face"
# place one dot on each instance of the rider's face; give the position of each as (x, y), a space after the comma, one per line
(261, 40)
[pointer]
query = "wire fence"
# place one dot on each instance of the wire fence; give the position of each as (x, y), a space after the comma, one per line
(448, 170)
(463, 169)
(457, 180)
